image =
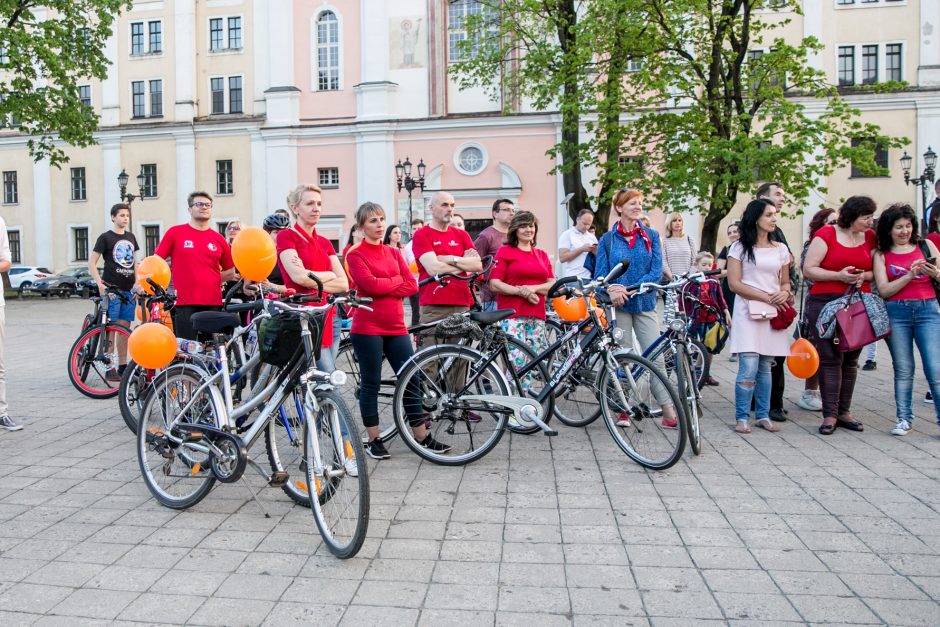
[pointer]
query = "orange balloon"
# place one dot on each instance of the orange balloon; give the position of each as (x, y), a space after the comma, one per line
(600, 312)
(803, 360)
(413, 267)
(152, 345)
(254, 253)
(572, 309)
(154, 268)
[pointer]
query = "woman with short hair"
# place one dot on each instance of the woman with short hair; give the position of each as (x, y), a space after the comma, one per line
(678, 257)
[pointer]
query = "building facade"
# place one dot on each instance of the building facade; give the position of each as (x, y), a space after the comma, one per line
(247, 98)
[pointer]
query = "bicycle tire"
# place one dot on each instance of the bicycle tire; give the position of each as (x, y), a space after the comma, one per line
(172, 390)
(347, 362)
(688, 392)
(645, 440)
(422, 372)
(339, 501)
(700, 364)
(536, 380)
(283, 441)
(89, 373)
(132, 393)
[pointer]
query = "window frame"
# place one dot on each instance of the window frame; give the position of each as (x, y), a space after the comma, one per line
(226, 94)
(82, 99)
(11, 188)
(150, 37)
(900, 55)
(839, 70)
(79, 192)
(146, 41)
(142, 227)
(147, 98)
(16, 244)
(224, 180)
(151, 188)
(315, 52)
(455, 33)
(328, 177)
(73, 230)
(858, 60)
(225, 32)
(882, 163)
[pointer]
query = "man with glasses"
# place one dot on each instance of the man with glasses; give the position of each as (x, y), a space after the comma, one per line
(490, 239)
(201, 262)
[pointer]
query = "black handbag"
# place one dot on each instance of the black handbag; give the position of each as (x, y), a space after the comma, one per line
(279, 339)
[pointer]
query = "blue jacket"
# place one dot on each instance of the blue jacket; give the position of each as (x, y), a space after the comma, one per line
(645, 266)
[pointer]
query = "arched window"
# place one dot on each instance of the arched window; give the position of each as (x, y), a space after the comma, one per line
(327, 52)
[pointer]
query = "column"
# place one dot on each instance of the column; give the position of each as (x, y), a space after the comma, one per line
(185, 173)
(260, 204)
(375, 94)
(813, 27)
(184, 42)
(260, 48)
(110, 169)
(282, 98)
(110, 87)
(280, 155)
(375, 161)
(42, 198)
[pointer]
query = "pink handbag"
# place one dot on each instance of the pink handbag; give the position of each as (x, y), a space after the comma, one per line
(854, 329)
(758, 310)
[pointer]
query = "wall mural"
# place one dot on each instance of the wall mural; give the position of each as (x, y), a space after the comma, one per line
(406, 42)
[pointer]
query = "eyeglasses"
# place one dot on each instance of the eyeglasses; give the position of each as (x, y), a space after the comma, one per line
(234, 228)
(202, 205)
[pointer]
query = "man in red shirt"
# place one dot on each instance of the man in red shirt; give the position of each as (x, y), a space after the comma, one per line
(201, 261)
(441, 248)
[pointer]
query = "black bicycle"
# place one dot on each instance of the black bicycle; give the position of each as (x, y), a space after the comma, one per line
(93, 358)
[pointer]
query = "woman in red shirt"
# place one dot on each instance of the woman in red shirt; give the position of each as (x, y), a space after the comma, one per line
(838, 257)
(380, 271)
(520, 279)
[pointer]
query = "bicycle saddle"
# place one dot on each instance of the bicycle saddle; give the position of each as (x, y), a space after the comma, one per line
(214, 322)
(491, 317)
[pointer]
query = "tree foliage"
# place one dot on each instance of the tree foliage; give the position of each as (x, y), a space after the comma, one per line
(47, 49)
(705, 97)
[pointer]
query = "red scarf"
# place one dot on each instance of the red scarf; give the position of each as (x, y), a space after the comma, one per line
(632, 235)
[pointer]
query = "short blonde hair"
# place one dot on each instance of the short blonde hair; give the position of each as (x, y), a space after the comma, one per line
(293, 198)
(704, 255)
(672, 217)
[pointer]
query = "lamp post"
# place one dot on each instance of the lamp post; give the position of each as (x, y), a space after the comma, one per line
(122, 184)
(922, 181)
(404, 180)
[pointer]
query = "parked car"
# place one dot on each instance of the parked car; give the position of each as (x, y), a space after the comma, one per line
(64, 284)
(22, 277)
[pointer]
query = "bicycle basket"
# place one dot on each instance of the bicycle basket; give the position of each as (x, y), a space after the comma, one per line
(279, 338)
(457, 326)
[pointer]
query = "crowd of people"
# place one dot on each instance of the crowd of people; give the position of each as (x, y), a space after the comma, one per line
(761, 282)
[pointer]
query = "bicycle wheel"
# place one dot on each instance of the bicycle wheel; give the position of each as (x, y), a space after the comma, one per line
(642, 434)
(689, 394)
(467, 428)
(135, 382)
(177, 474)
(347, 362)
(533, 383)
(700, 366)
(339, 499)
(283, 440)
(93, 359)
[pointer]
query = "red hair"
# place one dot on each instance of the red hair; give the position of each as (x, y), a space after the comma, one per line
(626, 195)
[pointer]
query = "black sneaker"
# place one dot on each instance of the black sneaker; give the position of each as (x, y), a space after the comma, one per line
(433, 445)
(112, 376)
(870, 365)
(376, 450)
(928, 398)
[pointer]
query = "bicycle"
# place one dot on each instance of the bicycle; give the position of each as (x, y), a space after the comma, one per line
(625, 382)
(93, 360)
(190, 433)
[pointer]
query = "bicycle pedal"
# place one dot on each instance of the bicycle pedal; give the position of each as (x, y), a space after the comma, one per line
(278, 478)
(189, 436)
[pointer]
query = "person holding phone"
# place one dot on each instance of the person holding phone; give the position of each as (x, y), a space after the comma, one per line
(839, 256)
(904, 275)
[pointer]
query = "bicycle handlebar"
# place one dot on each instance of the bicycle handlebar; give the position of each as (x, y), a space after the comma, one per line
(444, 278)
(671, 285)
(615, 273)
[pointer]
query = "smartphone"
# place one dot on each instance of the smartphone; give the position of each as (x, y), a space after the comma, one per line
(932, 260)
(856, 271)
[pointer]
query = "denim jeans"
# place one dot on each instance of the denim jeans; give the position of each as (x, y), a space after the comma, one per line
(327, 361)
(753, 381)
(914, 321)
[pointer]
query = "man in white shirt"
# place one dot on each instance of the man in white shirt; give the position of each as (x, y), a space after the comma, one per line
(5, 258)
(575, 244)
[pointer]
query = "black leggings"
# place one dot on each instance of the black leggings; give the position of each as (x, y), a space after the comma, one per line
(182, 325)
(371, 350)
(837, 370)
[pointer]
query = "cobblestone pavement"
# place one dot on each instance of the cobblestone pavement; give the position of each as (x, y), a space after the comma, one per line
(765, 528)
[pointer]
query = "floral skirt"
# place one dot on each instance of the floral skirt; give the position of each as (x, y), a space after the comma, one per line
(531, 332)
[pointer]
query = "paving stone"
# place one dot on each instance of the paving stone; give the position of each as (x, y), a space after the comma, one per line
(759, 607)
(457, 618)
(830, 609)
(61, 574)
(261, 587)
(327, 591)
(287, 614)
(680, 604)
(358, 615)
(176, 609)
(28, 597)
(542, 599)
(224, 612)
(895, 612)
(611, 601)
(104, 604)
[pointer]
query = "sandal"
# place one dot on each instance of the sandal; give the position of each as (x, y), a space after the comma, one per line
(767, 425)
(742, 427)
(827, 429)
(851, 424)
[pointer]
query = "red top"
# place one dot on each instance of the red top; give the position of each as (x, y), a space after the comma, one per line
(454, 242)
(839, 257)
(380, 271)
(520, 267)
(897, 265)
(935, 238)
(198, 258)
(314, 251)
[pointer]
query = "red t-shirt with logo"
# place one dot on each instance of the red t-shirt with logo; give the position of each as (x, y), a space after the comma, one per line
(839, 257)
(198, 258)
(454, 242)
(314, 251)
(521, 267)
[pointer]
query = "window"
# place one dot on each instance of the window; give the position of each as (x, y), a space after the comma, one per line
(154, 41)
(327, 52)
(217, 92)
(11, 194)
(156, 98)
(84, 95)
(634, 65)
(151, 238)
(137, 38)
(79, 189)
(457, 12)
(869, 64)
(84, 33)
(881, 157)
(4, 55)
(329, 177)
(234, 33)
(16, 248)
(80, 241)
(155, 30)
(470, 158)
(215, 33)
(846, 65)
(222, 227)
(758, 172)
(138, 103)
(149, 171)
(223, 177)
(893, 63)
(844, 2)
(225, 33)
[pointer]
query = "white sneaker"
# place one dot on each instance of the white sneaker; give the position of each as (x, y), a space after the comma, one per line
(901, 428)
(7, 423)
(810, 401)
(623, 420)
(352, 469)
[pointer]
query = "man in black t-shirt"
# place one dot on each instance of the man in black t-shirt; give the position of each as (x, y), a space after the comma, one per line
(119, 248)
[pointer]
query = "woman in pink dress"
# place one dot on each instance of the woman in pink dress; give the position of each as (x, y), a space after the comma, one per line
(756, 276)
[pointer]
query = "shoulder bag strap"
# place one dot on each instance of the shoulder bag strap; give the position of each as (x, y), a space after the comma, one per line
(925, 251)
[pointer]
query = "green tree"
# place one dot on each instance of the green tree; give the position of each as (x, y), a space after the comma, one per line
(48, 48)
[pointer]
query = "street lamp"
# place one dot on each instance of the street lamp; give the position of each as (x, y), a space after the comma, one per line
(922, 181)
(404, 180)
(141, 182)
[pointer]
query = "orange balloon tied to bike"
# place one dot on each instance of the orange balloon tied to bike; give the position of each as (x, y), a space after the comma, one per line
(154, 268)
(254, 253)
(803, 360)
(152, 346)
(572, 309)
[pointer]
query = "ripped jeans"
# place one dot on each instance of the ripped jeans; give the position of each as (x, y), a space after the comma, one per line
(753, 381)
